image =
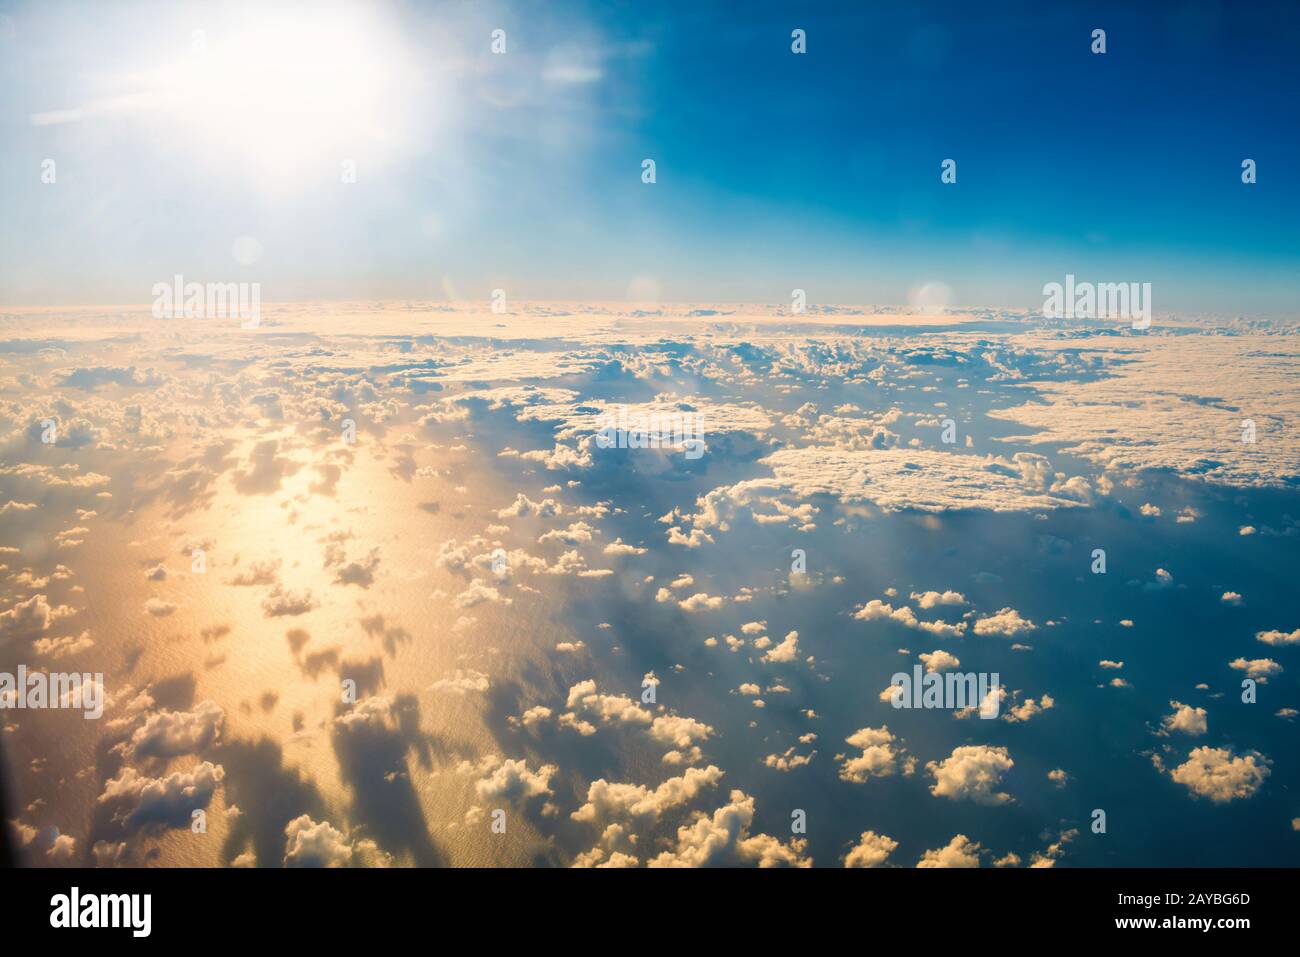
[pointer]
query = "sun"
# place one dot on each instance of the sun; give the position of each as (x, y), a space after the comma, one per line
(281, 97)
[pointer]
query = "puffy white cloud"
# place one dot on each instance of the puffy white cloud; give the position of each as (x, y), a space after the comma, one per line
(169, 734)
(609, 801)
(961, 851)
(62, 849)
(511, 780)
(1006, 622)
(371, 713)
(723, 840)
(315, 844)
(619, 547)
(876, 610)
(881, 756)
(1221, 776)
(585, 701)
(972, 773)
(936, 661)
(524, 506)
(31, 618)
(933, 599)
(65, 646)
(1261, 669)
(535, 716)
(1186, 719)
(478, 593)
(872, 850)
(786, 651)
(575, 534)
(679, 731)
(701, 602)
(1279, 638)
(1029, 708)
(150, 803)
(788, 760)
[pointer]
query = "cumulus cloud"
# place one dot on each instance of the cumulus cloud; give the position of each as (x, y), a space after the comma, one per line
(478, 593)
(1006, 622)
(936, 661)
(610, 802)
(872, 850)
(31, 618)
(961, 851)
(972, 773)
(140, 802)
(1221, 776)
(786, 651)
(1029, 708)
(788, 760)
(584, 701)
(724, 840)
(1186, 719)
(1279, 638)
(169, 734)
(877, 610)
(881, 756)
(701, 602)
(315, 844)
(679, 731)
(933, 599)
(1260, 669)
(283, 602)
(513, 780)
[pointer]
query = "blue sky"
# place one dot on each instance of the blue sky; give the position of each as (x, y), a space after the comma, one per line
(775, 171)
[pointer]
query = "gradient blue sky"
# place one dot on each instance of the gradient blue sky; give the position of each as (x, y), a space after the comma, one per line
(775, 171)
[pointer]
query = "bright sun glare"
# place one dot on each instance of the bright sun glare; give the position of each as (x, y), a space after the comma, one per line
(284, 95)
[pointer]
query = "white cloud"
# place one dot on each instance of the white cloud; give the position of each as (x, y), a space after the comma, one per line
(313, 844)
(723, 840)
(1261, 669)
(973, 773)
(1279, 638)
(1216, 774)
(1186, 719)
(1005, 622)
(169, 734)
(872, 850)
(612, 802)
(786, 651)
(933, 599)
(936, 661)
(150, 803)
(961, 851)
(881, 757)
(513, 780)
